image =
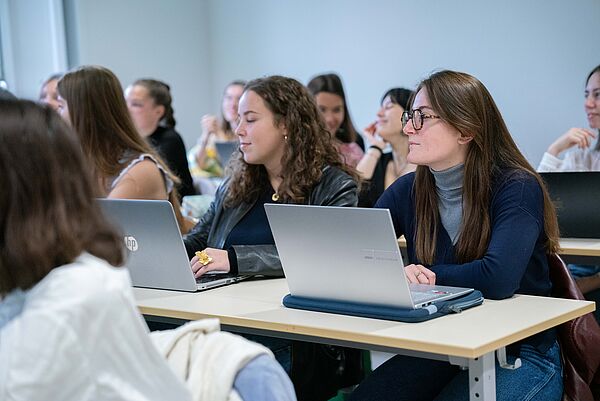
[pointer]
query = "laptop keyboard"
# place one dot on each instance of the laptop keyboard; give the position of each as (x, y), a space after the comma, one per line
(419, 297)
(207, 278)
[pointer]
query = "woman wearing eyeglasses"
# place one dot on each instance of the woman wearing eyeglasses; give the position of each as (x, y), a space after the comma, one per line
(380, 169)
(474, 214)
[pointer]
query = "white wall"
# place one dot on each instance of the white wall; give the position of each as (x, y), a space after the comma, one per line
(162, 39)
(532, 55)
(33, 43)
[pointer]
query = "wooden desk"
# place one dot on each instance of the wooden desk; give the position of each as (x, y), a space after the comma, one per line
(468, 339)
(573, 250)
(580, 250)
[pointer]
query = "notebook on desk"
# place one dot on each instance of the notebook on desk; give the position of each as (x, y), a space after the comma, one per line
(347, 254)
(156, 256)
(576, 197)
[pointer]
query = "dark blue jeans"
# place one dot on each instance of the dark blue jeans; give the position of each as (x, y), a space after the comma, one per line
(281, 348)
(407, 378)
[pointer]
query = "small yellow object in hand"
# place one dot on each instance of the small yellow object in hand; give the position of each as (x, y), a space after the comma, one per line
(203, 258)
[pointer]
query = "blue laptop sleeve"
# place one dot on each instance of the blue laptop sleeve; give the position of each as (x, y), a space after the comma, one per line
(435, 309)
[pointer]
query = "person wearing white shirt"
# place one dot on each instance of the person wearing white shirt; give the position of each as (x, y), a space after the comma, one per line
(581, 155)
(69, 327)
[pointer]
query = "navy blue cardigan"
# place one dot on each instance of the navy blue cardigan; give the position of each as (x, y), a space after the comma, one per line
(515, 261)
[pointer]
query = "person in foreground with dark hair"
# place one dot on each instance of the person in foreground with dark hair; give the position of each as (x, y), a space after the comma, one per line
(149, 103)
(69, 328)
(474, 214)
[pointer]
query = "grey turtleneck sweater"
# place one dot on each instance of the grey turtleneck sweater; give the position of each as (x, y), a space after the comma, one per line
(449, 186)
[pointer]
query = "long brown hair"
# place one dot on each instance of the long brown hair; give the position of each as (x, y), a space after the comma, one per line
(464, 103)
(99, 115)
(48, 216)
(308, 148)
(332, 83)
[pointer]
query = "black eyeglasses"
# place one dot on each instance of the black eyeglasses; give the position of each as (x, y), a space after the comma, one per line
(417, 117)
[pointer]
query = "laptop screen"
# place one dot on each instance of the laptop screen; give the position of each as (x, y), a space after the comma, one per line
(576, 196)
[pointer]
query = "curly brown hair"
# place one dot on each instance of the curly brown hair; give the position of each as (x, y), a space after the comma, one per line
(308, 147)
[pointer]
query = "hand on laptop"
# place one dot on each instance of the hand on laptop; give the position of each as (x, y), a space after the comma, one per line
(219, 262)
(419, 274)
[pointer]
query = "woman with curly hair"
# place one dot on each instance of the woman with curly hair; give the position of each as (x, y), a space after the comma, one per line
(285, 156)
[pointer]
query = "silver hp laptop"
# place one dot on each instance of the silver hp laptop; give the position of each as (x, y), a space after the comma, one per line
(346, 254)
(156, 256)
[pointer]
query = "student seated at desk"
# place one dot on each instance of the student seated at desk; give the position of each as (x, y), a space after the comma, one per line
(69, 327)
(285, 156)
(581, 156)
(474, 214)
(91, 100)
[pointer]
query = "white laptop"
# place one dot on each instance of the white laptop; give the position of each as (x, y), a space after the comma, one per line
(346, 254)
(156, 256)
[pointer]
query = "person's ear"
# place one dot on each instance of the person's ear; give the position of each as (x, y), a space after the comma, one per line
(463, 140)
(160, 110)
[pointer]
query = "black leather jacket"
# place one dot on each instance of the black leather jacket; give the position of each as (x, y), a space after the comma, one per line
(336, 188)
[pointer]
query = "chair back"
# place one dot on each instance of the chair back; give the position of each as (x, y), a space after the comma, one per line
(579, 340)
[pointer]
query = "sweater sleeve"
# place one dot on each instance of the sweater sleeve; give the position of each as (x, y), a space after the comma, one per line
(549, 163)
(517, 222)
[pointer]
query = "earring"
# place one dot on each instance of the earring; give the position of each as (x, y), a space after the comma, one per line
(285, 137)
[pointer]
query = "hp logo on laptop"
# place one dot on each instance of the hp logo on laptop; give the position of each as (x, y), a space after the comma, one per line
(131, 243)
